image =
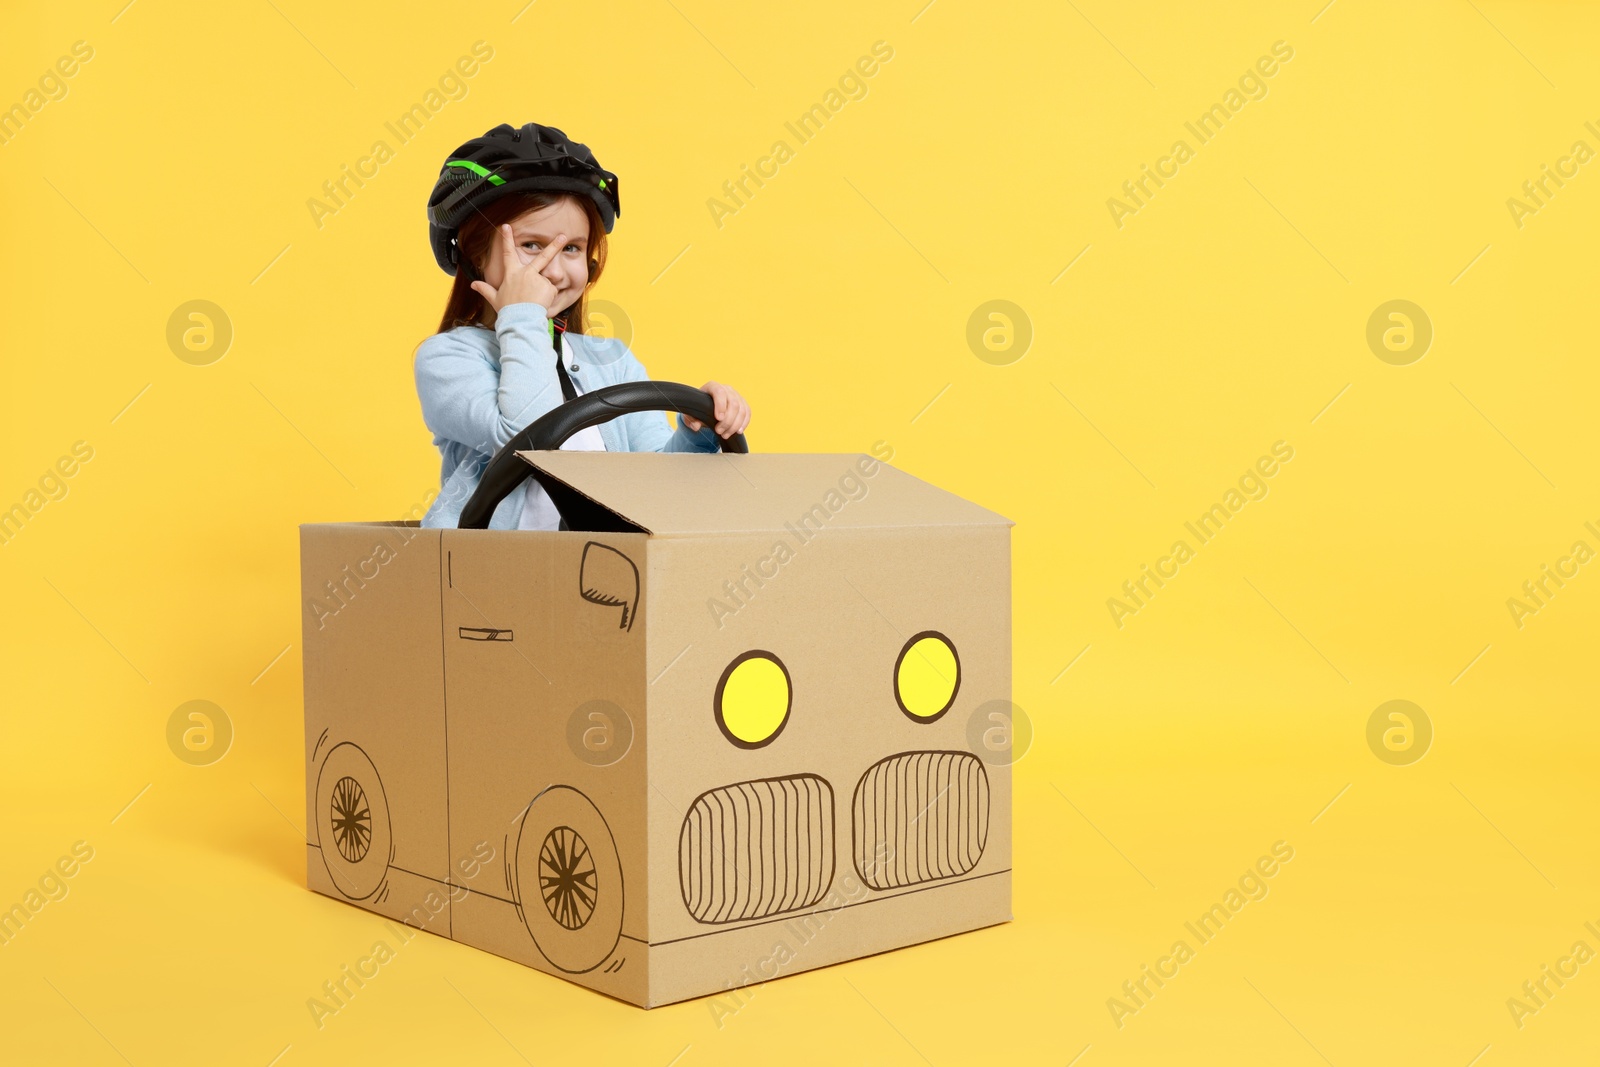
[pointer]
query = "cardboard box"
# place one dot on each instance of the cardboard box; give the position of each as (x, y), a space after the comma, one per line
(721, 729)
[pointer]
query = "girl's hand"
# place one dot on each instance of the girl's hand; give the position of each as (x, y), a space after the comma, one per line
(732, 413)
(522, 283)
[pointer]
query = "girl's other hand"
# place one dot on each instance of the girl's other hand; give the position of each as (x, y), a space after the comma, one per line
(732, 413)
(522, 283)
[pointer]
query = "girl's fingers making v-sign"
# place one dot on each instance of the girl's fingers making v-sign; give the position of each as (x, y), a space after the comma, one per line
(522, 283)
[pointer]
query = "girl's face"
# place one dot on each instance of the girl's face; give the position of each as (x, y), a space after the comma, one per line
(568, 271)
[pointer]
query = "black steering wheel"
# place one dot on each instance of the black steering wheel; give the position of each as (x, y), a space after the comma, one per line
(507, 470)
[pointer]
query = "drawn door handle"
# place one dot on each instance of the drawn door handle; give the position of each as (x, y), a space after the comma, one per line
(484, 633)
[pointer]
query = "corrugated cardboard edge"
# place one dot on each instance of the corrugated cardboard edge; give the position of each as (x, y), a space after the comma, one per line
(530, 457)
(525, 456)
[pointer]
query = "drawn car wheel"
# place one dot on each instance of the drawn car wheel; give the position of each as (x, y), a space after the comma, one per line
(569, 880)
(352, 820)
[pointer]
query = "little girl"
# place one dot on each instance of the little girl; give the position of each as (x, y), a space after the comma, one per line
(519, 217)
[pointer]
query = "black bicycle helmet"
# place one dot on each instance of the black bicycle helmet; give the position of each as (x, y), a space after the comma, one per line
(505, 160)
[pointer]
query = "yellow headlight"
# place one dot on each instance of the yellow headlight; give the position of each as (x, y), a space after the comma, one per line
(753, 699)
(926, 676)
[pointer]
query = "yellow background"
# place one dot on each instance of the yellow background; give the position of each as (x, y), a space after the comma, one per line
(1222, 317)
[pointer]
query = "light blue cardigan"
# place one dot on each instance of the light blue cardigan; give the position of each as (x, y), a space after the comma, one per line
(479, 387)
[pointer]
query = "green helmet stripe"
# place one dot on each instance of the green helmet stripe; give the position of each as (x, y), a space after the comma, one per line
(494, 179)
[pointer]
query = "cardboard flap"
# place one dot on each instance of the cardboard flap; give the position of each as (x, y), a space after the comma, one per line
(686, 493)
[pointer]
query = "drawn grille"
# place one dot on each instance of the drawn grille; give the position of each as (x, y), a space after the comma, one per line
(920, 816)
(757, 848)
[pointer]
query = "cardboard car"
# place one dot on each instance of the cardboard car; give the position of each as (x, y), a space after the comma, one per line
(718, 728)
